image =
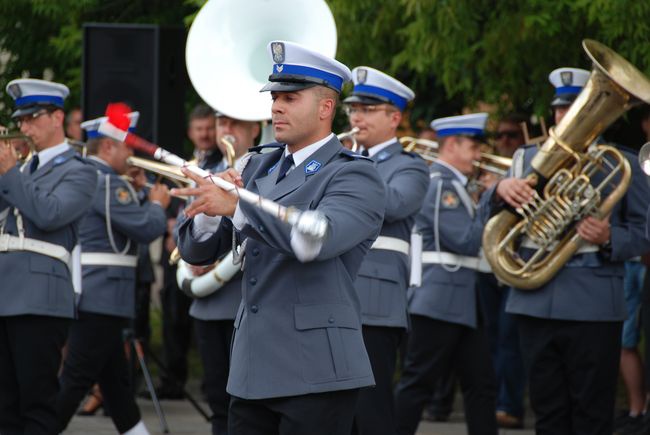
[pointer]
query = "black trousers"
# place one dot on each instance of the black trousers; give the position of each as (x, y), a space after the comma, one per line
(573, 370)
(434, 346)
(30, 357)
(312, 414)
(213, 339)
(96, 354)
(177, 330)
(375, 413)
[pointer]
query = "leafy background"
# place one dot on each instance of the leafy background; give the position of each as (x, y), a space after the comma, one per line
(455, 54)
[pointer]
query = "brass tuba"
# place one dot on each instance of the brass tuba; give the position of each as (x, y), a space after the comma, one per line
(563, 172)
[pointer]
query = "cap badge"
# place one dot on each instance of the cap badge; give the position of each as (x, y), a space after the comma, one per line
(279, 68)
(362, 75)
(278, 52)
(15, 91)
(566, 77)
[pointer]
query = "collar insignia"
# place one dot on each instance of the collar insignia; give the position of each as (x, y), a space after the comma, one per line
(312, 167)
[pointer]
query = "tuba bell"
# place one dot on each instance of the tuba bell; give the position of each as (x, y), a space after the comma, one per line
(228, 62)
(563, 171)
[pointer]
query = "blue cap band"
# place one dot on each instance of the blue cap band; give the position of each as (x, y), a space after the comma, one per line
(568, 90)
(92, 134)
(398, 101)
(460, 130)
(332, 79)
(43, 99)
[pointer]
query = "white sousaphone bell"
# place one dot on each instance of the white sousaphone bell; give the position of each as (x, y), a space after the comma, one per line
(228, 63)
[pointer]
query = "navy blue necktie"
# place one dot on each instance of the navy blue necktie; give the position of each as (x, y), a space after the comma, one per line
(287, 163)
(365, 153)
(33, 165)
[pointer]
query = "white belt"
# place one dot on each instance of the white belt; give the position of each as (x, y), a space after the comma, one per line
(391, 244)
(527, 243)
(108, 259)
(475, 263)
(12, 243)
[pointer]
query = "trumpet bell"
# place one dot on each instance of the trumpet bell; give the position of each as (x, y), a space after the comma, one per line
(226, 52)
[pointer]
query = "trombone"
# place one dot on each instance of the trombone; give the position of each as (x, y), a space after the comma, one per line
(428, 150)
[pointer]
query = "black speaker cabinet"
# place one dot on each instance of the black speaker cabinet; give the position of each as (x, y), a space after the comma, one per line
(143, 66)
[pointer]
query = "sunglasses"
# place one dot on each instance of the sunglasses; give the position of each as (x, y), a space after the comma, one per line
(507, 134)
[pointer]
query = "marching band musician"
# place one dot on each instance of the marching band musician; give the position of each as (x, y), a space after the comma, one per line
(445, 328)
(176, 320)
(570, 328)
(375, 107)
(298, 358)
(41, 204)
(109, 234)
(215, 310)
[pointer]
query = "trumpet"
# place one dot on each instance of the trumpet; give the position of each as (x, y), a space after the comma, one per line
(21, 143)
(350, 135)
(428, 150)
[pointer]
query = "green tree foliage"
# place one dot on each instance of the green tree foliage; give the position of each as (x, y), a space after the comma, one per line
(496, 51)
(453, 53)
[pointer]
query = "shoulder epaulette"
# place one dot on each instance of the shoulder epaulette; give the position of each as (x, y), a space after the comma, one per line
(351, 154)
(411, 153)
(259, 148)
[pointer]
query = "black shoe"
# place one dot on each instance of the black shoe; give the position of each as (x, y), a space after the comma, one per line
(633, 426)
(435, 415)
(620, 418)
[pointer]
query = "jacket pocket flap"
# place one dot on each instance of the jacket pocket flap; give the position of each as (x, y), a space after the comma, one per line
(387, 272)
(325, 316)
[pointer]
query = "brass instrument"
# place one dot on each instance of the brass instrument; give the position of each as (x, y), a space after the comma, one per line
(563, 170)
(170, 172)
(352, 135)
(228, 141)
(21, 143)
(428, 150)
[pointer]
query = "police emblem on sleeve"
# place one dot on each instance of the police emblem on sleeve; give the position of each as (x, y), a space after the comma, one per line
(277, 48)
(122, 195)
(449, 199)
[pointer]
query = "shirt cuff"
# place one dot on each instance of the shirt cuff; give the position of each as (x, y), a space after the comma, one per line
(204, 226)
(239, 219)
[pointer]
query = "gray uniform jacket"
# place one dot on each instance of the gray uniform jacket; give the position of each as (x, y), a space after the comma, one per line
(383, 277)
(449, 222)
(298, 329)
(224, 303)
(111, 289)
(51, 201)
(590, 285)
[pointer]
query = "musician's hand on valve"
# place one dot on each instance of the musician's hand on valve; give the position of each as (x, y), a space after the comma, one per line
(515, 191)
(313, 224)
(594, 230)
(160, 193)
(209, 198)
(8, 157)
